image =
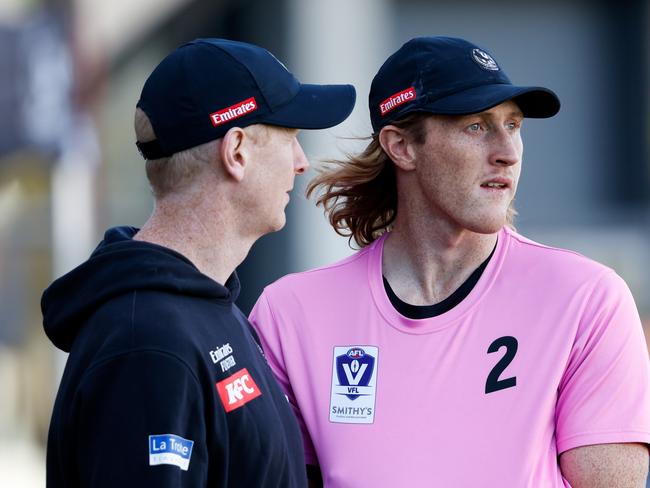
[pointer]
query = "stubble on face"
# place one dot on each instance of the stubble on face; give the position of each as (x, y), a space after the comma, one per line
(458, 166)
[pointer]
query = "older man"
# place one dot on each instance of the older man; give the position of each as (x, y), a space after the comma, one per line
(165, 385)
(451, 351)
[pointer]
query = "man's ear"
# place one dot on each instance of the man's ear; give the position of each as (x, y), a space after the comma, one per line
(398, 146)
(233, 154)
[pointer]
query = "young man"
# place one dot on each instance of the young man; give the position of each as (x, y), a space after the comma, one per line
(165, 385)
(451, 351)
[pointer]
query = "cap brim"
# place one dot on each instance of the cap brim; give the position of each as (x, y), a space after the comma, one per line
(315, 107)
(534, 101)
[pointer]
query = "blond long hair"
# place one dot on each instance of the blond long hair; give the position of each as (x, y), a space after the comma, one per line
(359, 194)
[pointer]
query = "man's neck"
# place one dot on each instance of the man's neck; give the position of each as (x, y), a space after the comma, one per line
(425, 262)
(208, 237)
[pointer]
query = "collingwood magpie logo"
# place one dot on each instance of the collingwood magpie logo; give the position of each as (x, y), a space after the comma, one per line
(354, 382)
(484, 60)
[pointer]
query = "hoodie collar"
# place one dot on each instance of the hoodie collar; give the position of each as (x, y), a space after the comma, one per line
(122, 265)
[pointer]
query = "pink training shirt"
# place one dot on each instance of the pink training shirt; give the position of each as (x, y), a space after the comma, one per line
(545, 354)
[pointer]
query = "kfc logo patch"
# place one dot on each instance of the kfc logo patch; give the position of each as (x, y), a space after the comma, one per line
(233, 112)
(396, 100)
(237, 390)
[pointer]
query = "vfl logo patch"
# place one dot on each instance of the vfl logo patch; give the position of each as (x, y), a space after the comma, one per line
(396, 100)
(484, 60)
(354, 370)
(237, 390)
(354, 384)
(170, 449)
(233, 112)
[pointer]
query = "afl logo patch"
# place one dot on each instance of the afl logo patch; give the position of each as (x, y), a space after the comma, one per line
(484, 60)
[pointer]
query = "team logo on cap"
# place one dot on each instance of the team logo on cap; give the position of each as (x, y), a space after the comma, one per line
(484, 60)
(233, 112)
(396, 100)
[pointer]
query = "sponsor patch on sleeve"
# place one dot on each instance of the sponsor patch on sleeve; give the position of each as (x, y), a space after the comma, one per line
(237, 390)
(170, 449)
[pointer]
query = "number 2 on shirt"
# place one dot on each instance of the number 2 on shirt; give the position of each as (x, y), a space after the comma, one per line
(493, 382)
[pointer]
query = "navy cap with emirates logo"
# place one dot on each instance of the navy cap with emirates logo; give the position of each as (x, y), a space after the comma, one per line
(205, 87)
(448, 76)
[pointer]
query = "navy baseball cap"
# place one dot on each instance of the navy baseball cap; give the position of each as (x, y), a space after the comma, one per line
(446, 75)
(205, 87)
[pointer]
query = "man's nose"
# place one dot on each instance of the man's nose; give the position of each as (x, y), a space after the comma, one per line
(507, 148)
(300, 162)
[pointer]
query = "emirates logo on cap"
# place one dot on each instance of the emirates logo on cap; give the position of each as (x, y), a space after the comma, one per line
(396, 100)
(233, 112)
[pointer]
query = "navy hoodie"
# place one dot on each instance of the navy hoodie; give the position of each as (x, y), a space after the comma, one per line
(165, 384)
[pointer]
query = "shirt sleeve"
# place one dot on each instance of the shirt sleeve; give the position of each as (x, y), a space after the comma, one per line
(140, 422)
(270, 333)
(604, 395)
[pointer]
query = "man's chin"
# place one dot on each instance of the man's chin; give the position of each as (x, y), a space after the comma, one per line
(277, 224)
(488, 225)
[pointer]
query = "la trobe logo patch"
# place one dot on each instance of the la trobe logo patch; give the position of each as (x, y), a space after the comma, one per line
(170, 449)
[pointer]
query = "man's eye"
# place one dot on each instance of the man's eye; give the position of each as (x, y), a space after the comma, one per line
(475, 127)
